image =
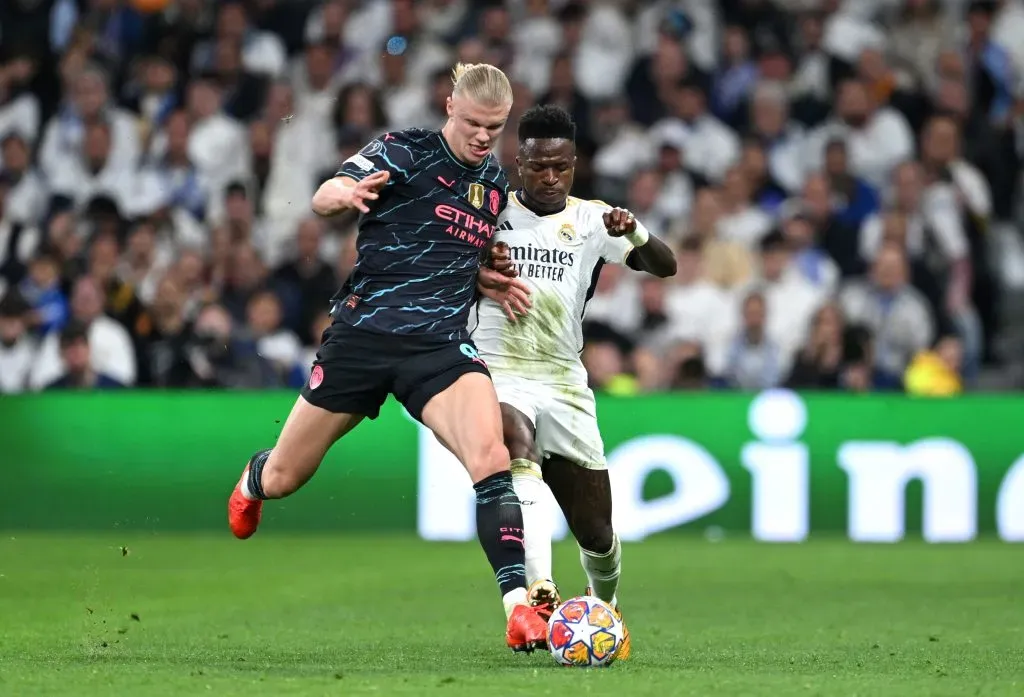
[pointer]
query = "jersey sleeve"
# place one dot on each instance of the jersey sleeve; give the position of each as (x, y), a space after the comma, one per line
(392, 152)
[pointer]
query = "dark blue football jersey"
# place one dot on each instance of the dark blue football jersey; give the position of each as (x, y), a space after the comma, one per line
(421, 243)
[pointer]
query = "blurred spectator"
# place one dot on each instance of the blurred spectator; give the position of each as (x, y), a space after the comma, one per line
(710, 147)
(855, 198)
(698, 309)
(877, 138)
(41, 289)
(893, 310)
(859, 360)
(307, 281)
(120, 301)
(736, 76)
(767, 194)
(66, 143)
(645, 200)
(18, 239)
(218, 355)
(25, 198)
(819, 363)
(78, 367)
(725, 263)
(17, 347)
(919, 33)
(790, 299)
(810, 261)
(754, 361)
(742, 221)
(989, 64)
(110, 346)
(274, 343)
(218, 146)
(653, 80)
(262, 52)
(936, 373)
(170, 157)
(604, 357)
(153, 95)
(622, 148)
(19, 107)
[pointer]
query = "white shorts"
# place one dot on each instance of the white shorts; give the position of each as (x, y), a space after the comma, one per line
(564, 416)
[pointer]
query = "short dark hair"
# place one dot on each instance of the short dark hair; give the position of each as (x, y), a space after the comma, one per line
(74, 331)
(546, 121)
(774, 241)
(13, 305)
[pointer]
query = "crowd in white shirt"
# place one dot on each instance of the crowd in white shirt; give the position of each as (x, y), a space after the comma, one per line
(827, 170)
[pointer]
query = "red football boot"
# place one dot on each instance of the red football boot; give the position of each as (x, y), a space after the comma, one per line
(526, 630)
(243, 514)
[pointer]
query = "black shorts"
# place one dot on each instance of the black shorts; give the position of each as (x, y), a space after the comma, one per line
(355, 370)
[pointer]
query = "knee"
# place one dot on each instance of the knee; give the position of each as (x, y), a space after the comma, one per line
(279, 479)
(596, 536)
(490, 459)
(522, 449)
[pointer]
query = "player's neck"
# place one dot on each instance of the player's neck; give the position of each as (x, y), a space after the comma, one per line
(532, 206)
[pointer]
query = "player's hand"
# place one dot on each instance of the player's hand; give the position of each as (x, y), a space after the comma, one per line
(366, 190)
(501, 260)
(619, 222)
(511, 293)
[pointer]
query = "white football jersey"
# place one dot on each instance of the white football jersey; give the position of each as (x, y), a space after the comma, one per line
(558, 256)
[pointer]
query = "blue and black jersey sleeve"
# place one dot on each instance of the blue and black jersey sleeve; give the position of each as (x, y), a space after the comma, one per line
(391, 152)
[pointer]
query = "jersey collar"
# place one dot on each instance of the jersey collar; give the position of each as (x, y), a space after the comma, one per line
(518, 196)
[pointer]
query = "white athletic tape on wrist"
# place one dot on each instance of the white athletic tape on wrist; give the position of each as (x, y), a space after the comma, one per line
(639, 237)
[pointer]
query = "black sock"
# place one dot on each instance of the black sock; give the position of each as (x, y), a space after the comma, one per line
(499, 525)
(256, 473)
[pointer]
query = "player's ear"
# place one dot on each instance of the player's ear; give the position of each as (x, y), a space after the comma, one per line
(448, 106)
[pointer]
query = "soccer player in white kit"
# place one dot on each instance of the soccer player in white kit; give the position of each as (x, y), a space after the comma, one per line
(557, 244)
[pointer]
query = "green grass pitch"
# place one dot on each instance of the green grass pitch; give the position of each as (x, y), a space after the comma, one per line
(157, 614)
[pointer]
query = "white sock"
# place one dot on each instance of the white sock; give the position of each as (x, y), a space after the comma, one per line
(516, 596)
(529, 485)
(244, 487)
(603, 571)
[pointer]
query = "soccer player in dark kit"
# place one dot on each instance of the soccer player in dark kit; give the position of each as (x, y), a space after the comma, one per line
(429, 202)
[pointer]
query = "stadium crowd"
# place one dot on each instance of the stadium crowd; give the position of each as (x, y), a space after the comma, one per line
(839, 179)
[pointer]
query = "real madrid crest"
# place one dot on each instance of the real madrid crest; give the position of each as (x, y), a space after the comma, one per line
(567, 233)
(476, 195)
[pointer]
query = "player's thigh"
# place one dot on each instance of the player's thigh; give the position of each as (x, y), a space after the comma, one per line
(567, 426)
(348, 383)
(585, 497)
(447, 388)
(519, 406)
(308, 433)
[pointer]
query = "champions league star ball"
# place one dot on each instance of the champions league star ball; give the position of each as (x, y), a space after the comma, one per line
(584, 632)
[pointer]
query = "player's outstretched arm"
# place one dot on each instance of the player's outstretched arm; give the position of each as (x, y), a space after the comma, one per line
(649, 254)
(341, 193)
(655, 257)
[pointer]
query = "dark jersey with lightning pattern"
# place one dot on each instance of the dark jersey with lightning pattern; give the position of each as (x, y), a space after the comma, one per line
(419, 247)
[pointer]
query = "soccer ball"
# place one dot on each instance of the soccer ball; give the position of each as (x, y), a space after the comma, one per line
(584, 632)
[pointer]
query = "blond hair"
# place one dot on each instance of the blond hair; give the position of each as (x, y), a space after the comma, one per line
(482, 83)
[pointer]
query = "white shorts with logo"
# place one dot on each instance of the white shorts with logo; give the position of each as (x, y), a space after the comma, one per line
(564, 416)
